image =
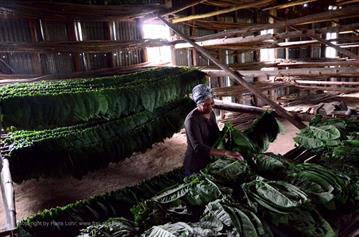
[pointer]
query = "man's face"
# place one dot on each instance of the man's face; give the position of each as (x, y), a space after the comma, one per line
(206, 106)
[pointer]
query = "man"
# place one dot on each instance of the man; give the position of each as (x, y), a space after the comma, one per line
(202, 131)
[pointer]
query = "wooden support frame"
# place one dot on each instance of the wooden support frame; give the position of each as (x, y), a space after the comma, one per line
(319, 17)
(71, 34)
(36, 59)
(239, 78)
(8, 195)
(318, 38)
(220, 12)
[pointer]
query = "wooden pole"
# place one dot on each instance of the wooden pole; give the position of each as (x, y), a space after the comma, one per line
(288, 4)
(234, 107)
(318, 38)
(239, 78)
(220, 12)
(337, 83)
(304, 72)
(182, 8)
(7, 192)
(324, 16)
(8, 196)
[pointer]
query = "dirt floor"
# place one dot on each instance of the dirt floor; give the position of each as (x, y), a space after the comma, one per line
(35, 195)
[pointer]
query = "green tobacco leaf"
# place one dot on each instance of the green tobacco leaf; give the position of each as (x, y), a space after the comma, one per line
(218, 211)
(179, 229)
(308, 142)
(173, 194)
(328, 132)
(228, 170)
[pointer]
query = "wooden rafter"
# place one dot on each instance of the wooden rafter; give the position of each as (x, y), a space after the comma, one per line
(239, 78)
(93, 46)
(182, 8)
(348, 12)
(288, 4)
(321, 40)
(68, 11)
(341, 3)
(216, 25)
(304, 72)
(254, 4)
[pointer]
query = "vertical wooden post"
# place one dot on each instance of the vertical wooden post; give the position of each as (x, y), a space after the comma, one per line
(8, 195)
(109, 35)
(7, 192)
(194, 33)
(139, 25)
(239, 78)
(36, 59)
(71, 34)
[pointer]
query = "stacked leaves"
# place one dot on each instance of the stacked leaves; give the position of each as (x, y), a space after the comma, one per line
(231, 198)
(79, 149)
(336, 142)
(83, 213)
(61, 103)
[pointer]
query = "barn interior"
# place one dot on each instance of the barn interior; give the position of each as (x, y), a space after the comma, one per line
(93, 97)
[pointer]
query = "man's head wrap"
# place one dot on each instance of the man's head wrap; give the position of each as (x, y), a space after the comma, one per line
(200, 93)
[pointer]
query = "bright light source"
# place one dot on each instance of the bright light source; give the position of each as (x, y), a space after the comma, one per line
(157, 54)
(266, 54)
(305, 5)
(329, 51)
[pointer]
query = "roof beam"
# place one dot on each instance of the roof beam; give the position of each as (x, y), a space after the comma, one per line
(303, 72)
(288, 4)
(239, 78)
(254, 4)
(347, 12)
(321, 40)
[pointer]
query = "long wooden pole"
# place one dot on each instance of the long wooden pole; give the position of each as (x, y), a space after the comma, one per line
(220, 104)
(220, 12)
(318, 38)
(288, 4)
(182, 8)
(238, 78)
(319, 17)
(8, 196)
(7, 192)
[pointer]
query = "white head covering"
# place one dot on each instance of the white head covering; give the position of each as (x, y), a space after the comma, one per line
(200, 93)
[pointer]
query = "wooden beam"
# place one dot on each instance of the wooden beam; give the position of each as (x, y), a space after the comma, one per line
(227, 41)
(71, 35)
(300, 64)
(319, 17)
(304, 72)
(338, 48)
(8, 194)
(217, 25)
(109, 35)
(68, 11)
(19, 78)
(331, 88)
(234, 107)
(254, 4)
(182, 8)
(341, 3)
(268, 40)
(288, 4)
(239, 78)
(337, 83)
(323, 41)
(36, 60)
(239, 90)
(93, 46)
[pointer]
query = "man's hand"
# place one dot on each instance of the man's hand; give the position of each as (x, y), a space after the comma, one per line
(234, 155)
